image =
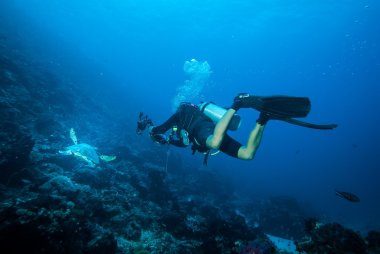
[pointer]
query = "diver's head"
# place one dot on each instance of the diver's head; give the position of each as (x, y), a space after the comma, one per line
(142, 123)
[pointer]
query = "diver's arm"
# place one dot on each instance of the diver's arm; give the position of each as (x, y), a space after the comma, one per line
(161, 129)
(157, 132)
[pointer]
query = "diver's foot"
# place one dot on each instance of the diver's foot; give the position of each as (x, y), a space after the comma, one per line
(242, 100)
(263, 118)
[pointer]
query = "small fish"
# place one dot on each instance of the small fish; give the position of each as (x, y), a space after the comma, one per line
(348, 196)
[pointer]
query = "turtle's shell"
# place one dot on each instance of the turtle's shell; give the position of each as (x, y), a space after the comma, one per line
(85, 152)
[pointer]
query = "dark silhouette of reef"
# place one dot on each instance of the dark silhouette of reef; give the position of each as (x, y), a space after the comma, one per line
(334, 238)
(52, 203)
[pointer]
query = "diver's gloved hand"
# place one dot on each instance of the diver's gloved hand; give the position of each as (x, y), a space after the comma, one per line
(160, 139)
(242, 100)
(263, 119)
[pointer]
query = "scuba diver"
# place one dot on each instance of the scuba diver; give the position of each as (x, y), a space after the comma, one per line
(205, 126)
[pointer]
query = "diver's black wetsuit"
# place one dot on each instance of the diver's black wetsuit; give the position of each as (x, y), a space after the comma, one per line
(199, 126)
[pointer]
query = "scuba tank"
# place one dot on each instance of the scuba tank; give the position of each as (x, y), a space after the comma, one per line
(216, 113)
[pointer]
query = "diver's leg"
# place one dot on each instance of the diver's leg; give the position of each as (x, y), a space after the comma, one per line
(214, 141)
(248, 151)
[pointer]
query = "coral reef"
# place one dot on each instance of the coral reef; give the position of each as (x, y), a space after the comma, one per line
(330, 238)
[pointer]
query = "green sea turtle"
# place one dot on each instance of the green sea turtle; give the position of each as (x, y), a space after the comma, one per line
(85, 152)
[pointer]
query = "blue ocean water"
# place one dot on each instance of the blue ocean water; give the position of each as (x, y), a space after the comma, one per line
(130, 56)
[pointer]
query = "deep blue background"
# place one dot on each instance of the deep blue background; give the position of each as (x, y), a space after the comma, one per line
(324, 49)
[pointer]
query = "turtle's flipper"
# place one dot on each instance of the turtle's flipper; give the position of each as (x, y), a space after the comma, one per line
(73, 136)
(107, 158)
(66, 152)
